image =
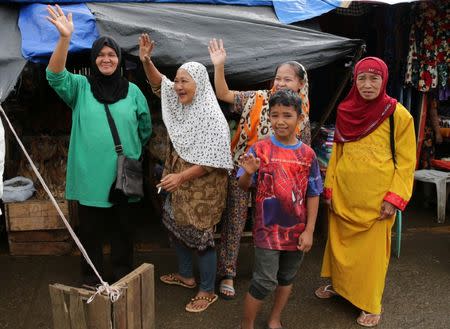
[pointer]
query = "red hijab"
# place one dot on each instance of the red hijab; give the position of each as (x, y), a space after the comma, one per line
(357, 117)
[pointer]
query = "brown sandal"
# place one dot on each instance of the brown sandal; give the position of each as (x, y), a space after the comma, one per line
(172, 279)
(325, 292)
(209, 300)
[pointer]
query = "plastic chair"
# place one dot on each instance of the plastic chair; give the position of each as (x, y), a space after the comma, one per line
(441, 179)
(398, 232)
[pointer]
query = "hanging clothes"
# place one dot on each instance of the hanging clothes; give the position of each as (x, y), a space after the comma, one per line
(427, 63)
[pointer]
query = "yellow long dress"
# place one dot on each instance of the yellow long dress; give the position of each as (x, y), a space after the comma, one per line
(360, 175)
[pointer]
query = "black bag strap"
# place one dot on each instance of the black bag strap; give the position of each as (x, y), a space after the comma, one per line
(115, 134)
(392, 137)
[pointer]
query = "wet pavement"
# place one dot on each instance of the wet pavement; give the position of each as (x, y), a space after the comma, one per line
(417, 293)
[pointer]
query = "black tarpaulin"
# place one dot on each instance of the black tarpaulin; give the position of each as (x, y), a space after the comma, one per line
(11, 60)
(254, 39)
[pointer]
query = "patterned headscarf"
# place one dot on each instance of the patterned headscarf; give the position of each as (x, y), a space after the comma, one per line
(199, 131)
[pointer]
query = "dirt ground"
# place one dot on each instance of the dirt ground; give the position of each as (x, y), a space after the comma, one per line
(417, 293)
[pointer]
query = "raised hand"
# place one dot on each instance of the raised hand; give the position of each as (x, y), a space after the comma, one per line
(217, 52)
(146, 46)
(63, 24)
(249, 163)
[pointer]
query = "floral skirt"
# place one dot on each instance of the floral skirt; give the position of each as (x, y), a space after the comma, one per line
(190, 235)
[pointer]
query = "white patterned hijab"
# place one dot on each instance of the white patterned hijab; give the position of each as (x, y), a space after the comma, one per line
(199, 131)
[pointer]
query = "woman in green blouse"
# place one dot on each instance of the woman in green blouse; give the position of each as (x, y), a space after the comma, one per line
(91, 165)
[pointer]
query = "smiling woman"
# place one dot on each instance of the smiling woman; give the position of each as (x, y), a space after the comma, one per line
(107, 60)
(195, 171)
(92, 159)
(184, 86)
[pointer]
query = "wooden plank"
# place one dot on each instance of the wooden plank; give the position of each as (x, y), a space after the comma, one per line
(35, 215)
(148, 297)
(134, 311)
(77, 310)
(60, 311)
(120, 311)
(130, 276)
(40, 248)
(39, 236)
(35, 223)
(35, 208)
(99, 314)
(135, 308)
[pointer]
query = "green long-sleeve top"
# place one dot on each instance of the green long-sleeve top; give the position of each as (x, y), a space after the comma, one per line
(91, 163)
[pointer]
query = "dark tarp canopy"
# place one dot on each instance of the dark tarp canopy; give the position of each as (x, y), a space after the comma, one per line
(11, 60)
(254, 39)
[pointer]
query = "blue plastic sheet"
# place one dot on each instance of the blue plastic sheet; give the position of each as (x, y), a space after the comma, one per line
(39, 36)
(216, 2)
(290, 11)
(287, 11)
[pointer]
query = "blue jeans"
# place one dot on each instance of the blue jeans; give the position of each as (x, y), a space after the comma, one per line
(207, 260)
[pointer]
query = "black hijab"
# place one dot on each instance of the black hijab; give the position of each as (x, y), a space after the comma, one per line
(107, 89)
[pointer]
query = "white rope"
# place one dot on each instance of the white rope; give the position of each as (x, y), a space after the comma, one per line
(112, 292)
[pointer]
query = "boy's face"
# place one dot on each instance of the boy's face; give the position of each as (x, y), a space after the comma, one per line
(284, 120)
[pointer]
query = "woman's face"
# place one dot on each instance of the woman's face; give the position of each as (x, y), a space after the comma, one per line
(107, 61)
(369, 85)
(184, 86)
(287, 78)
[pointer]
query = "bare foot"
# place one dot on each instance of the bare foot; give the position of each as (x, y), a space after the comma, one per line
(274, 324)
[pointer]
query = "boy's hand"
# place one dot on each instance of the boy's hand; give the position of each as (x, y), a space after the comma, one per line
(217, 52)
(146, 46)
(249, 163)
(305, 241)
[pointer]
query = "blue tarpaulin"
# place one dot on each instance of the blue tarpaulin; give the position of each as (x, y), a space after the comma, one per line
(287, 11)
(290, 11)
(39, 36)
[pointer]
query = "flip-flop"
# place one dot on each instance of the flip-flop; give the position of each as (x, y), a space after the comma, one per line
(325, 292)
(209, 300)
(171, 279)
(363, 316)
(226, 287)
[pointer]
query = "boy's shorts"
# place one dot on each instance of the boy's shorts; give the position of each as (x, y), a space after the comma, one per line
(273, 268)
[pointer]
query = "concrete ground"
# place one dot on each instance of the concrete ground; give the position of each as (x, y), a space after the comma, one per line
(417, 293)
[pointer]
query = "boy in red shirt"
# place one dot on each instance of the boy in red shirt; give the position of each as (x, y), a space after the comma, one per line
(288, 184)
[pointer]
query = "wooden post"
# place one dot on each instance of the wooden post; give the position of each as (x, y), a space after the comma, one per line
(135, 309)
(338, 93)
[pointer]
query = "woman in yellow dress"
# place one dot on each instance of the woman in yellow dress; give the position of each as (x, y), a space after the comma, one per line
(370, 175)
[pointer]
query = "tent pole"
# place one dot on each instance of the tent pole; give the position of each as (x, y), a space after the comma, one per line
(358, 54)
